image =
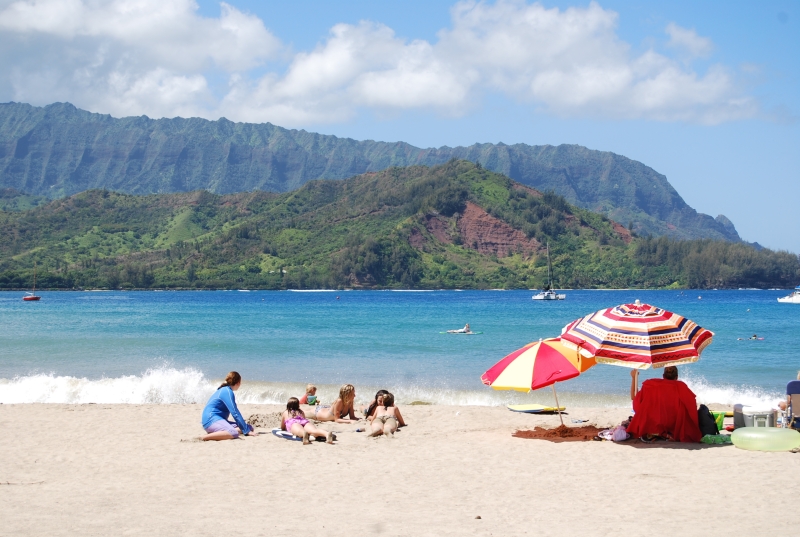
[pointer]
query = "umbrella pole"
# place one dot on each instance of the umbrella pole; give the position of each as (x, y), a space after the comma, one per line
(558, 408)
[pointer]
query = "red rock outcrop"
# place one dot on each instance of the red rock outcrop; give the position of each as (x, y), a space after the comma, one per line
(439, 227)
(416, 239)
(623, 232)
(491, 236)
(436, 225)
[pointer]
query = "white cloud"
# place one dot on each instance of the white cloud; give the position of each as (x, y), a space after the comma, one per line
(126, 57)
(362, 65)
(511, 42)
(689, 41)
(572, 63)
(160, 58)
(166, 32)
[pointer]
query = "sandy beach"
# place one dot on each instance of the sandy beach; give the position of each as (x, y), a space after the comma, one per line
(139, 470)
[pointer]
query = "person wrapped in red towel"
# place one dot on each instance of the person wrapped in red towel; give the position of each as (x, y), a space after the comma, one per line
(664, 407)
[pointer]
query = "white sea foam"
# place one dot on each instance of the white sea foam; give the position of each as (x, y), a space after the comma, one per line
(312, 290)
(728, 394)
(165, 385)
(155, 386)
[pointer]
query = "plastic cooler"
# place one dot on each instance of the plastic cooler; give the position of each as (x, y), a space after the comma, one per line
(738, 417)
(759, 417)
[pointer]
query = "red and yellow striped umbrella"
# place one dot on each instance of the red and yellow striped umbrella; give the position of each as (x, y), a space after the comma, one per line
(637, 336)
(536, 365)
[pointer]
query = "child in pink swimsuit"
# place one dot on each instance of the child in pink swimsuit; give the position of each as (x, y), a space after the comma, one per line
(294, 421)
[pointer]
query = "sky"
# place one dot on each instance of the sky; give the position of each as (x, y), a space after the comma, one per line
(703, 92)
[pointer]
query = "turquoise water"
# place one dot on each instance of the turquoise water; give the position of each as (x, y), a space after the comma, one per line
(173, 346)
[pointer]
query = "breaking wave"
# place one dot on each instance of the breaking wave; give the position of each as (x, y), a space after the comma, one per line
(167, 385)
(156, 386)
(729, 394)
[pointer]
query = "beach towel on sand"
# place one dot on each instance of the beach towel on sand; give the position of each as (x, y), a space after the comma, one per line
(665, 406)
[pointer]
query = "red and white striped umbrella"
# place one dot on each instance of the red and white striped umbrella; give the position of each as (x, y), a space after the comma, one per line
(638, 336)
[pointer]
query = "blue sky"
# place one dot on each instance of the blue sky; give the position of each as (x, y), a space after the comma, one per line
(704, 92)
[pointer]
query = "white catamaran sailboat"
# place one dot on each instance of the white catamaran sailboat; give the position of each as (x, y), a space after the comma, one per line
(547, 293)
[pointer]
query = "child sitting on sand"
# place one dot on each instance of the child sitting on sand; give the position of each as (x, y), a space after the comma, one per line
(340, 408)
(294, 420)
(387, 417)
(310, 397)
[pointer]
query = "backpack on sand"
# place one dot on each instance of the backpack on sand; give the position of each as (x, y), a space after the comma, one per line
(706, 421)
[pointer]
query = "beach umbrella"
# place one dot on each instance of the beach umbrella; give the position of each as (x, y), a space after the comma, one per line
(638, 336)
(537, 365)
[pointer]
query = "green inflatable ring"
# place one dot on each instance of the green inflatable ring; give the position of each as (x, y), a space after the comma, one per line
(765, 439)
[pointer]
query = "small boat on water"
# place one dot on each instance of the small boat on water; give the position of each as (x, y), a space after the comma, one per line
(32, 295)
(547, 293)
(793, 298)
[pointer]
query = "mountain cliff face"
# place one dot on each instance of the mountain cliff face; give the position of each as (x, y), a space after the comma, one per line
(59, 150)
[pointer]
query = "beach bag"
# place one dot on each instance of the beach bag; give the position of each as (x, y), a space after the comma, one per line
(619, 434)
(706, 421)
(717, 439)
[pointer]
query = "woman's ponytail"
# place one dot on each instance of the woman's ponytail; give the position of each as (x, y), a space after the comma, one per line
(231, 380)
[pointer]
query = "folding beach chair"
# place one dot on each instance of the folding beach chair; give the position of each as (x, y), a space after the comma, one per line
(791, 417)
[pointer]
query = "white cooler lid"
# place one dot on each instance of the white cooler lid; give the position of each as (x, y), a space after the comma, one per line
(756, 410)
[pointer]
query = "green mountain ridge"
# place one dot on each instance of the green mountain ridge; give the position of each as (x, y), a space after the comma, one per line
(59, 150)
(455, 225)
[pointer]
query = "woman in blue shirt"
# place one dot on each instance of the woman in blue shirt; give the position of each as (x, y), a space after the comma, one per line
(221, 405)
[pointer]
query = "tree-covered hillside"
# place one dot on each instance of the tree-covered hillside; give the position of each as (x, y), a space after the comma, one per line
(59, 150)
(455, 225)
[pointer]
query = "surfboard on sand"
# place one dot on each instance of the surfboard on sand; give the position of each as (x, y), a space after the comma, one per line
(534, 409)
(289, 436)
(286, 435)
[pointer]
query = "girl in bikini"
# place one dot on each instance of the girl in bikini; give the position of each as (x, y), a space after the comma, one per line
(387, 417)
(341, 411)
(294, 421)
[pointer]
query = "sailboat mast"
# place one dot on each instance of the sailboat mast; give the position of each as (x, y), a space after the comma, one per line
(549, 277)
(32, 296)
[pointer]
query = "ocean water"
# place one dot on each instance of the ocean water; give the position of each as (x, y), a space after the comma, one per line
(174, 347)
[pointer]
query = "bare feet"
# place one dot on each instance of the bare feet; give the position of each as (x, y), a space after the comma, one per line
(330, 438)
(305, 438)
